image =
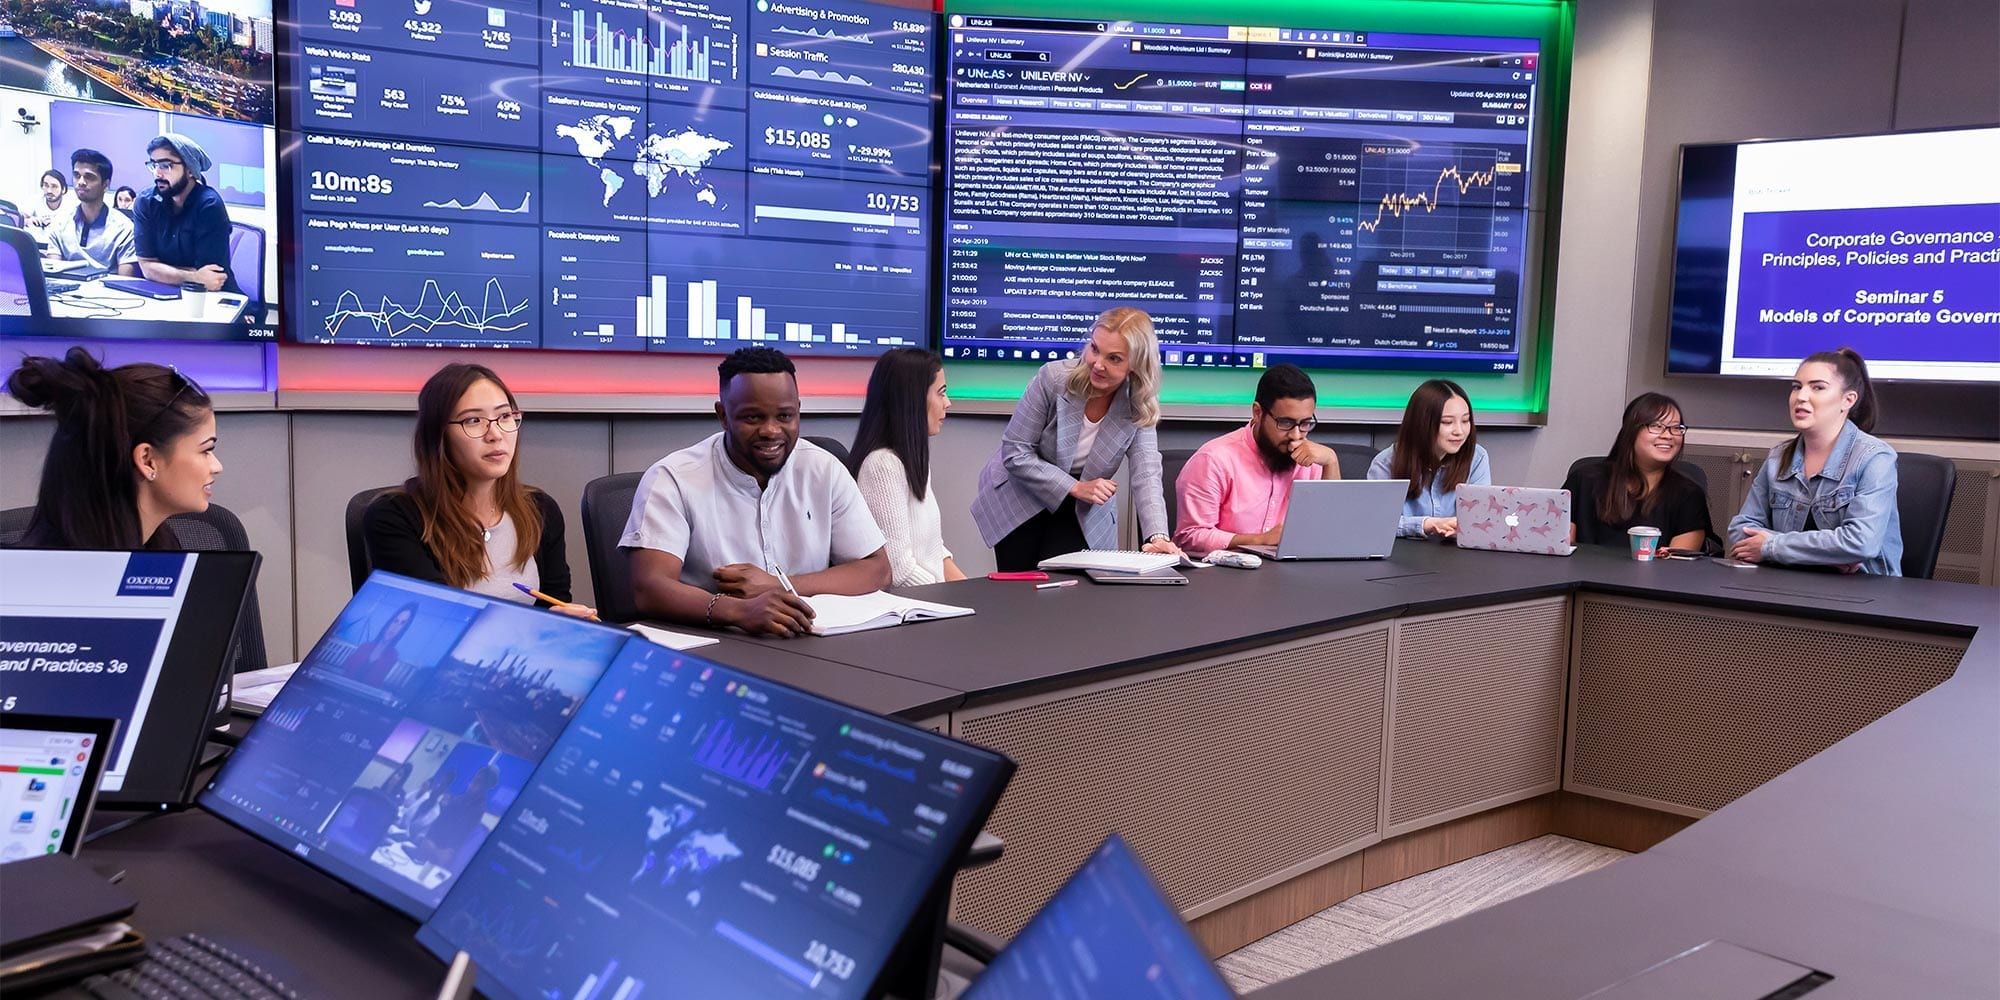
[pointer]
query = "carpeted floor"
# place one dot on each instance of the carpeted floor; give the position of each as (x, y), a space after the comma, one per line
(1406, 907)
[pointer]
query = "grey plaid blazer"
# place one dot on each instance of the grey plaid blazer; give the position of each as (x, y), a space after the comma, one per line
(1030, 473)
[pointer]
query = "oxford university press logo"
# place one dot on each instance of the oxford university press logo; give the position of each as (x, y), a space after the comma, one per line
(152, 574)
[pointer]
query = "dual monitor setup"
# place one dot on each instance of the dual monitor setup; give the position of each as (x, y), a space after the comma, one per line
(578, 810)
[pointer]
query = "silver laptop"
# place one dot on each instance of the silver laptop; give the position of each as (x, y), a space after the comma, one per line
(1339, 519)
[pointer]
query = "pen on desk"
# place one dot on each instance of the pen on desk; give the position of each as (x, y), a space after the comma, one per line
(1052, 584)
(539, 596)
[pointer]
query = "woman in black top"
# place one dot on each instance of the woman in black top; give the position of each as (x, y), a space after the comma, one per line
(1636, 483)
(466, 519)
(133, 446)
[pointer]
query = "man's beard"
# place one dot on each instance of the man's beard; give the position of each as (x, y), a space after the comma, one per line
(179, 188)
(1279, 461)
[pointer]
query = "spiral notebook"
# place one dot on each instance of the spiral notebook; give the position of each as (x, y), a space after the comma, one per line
(838, 614)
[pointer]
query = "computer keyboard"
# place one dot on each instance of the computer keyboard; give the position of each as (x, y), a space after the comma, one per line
(1108, 559)
(189, 966)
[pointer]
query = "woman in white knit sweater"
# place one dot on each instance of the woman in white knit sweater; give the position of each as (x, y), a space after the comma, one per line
(892, 462)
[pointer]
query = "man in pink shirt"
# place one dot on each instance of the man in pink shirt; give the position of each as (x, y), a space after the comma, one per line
(1234, 491)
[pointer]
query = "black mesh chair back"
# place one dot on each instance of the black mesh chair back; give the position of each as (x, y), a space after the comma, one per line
(217, 529)
(607, 504)
(833, 445)
(1354, 459)
(1172, 461)
(358, 563)
(14, 524)
(1924, 485)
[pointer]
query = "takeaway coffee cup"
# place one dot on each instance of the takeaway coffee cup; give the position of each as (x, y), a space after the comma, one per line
(1645, 542)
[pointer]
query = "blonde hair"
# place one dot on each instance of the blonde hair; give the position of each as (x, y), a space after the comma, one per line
(1142, 351)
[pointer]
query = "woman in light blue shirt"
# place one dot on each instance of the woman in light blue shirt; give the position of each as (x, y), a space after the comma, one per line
(1828, 496)
(1437, 450)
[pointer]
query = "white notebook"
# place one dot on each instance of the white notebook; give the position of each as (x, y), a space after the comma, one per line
(837, 614)
(672, 639)
(1112, 560)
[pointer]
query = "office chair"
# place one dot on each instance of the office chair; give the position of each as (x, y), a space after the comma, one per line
(216, 529)
(607, 503)
(21, 290)
(1172, 461)
(833, 445)
(1354, 459)
(246, 259)
(11, 216)
(358, 563)
(1924, 485)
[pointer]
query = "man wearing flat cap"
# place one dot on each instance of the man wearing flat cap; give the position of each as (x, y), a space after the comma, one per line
(183, 226)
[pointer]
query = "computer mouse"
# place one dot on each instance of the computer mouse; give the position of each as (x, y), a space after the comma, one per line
(1236, 560)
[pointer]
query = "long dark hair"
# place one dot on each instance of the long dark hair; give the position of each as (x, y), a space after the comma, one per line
(896, 414)
(1625, 494)
(451, 531)
(1416, 439)
(89, 494)
(1852, 371)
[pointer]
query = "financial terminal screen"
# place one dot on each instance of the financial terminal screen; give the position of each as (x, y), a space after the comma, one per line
(699, 832)
(665, 175)
(1333, 198)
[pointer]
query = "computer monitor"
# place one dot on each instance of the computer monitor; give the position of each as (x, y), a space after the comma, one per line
(407, 731)
(1108, 932)
(140, 637)
(700, 832)
(49, 769)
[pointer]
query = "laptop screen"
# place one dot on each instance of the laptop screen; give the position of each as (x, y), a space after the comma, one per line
(49, 767)
(138, 637)
(699, 832)
(1108, 932)
(407, 731)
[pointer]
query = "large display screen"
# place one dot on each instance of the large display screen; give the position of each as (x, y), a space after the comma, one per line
(94, 241)
(407, 731)
(1889, 244)
(699, 832)
(673, 175)
(1333, 198)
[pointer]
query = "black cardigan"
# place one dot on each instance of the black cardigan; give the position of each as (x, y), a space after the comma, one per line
(393, 530)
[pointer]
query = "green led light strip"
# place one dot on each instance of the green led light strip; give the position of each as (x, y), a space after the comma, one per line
(1551, 21)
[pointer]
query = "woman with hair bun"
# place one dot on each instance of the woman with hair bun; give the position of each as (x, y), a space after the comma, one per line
(133, 446)
(1828, 496)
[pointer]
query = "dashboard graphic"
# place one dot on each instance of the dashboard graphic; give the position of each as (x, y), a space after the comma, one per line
(1337, 199)
(634, 175)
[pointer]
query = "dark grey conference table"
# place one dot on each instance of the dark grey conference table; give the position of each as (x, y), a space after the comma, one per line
(1878, 859)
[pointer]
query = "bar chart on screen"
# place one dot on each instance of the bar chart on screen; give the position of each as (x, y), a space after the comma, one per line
(827, 299)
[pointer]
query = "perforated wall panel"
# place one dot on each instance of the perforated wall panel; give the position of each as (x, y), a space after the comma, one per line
(1685, 709)
(1222, 774)
(1965, 520)
(1475, 711)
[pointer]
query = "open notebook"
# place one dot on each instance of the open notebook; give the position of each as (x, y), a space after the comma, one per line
(836, 614)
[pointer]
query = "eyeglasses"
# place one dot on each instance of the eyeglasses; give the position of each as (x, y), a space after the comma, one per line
(1289, 425)
(162, 166)
(475, 427)
(1661, 428)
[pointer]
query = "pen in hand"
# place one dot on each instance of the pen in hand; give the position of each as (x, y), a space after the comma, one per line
(784, 581)
(539, 596)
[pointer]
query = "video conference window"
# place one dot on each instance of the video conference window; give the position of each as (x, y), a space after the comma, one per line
(675, 175)
(102, 236)
(405, 734)
(699, 832)
(1337, 199)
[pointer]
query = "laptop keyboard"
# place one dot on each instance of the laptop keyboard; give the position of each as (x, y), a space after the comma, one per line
(189, 966)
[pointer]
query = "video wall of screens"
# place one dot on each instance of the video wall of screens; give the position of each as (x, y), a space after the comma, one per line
(101, 237)
(1347, 199)
(635, 175)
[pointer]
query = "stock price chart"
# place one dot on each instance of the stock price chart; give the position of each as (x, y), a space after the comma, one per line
(1339, 199)
(665, 175)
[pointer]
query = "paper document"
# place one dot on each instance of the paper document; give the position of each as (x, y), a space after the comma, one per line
(672, 640)
(252, 690)
(837, 614)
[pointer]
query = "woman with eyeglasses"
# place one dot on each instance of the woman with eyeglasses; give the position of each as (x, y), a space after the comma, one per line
(133, 446)
(1636, 484)
(466, 519)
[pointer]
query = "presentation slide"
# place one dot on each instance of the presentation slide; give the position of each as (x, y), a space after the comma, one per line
(668, 175)
(86, 634)
(1889, 244)
(1331, 198)
(699, 832)
(84, 88)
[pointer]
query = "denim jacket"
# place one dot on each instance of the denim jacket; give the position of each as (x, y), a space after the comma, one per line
(1852, 500)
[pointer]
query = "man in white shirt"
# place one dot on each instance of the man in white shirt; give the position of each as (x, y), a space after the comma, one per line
(95, 232)
(719, 528)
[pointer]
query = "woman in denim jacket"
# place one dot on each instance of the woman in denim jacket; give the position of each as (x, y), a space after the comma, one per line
(1828, 496)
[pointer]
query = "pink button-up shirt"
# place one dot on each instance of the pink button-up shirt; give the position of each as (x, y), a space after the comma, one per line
(1228, 489)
